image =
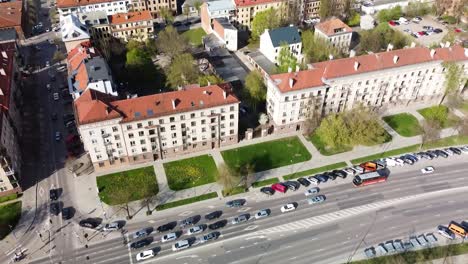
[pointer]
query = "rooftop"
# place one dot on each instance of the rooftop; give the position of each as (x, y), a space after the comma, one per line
(129, 17)
(289, 35)
(10, 14)
(332, 27)
(363, 64)
(225, 23)
(73, 29)
(92, 108)
(219, 5)
(262, 61)
(253, 2)
(94, 18)
(75, 3)
(7, 34)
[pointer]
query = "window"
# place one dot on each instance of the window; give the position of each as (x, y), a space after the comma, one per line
(232, 108)
(182, 117)
(174, 142)
(161, 121)
(163, 129)
(142, 142)
(192, 115)
(193, 123)
(203, 122)
(173, 127)
(171, 119)
(213, 120)
(119, 145)
(91, 133)
(150, 123)
(231, 124)
(152, 132)
(115, 129)
(141, 133)
(130, 135)
(231, 132)
(231, 116)
(174, 135)
(116, 137)
(143, 149)
(132, 143)
(129, 127)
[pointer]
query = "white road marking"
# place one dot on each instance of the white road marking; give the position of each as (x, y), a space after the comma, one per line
(151, 221)
(254, 237)
(245, 209)
(129, 249)
(251, 227)
(185, 213)
(41, 191)
(189, 256)
(227, 251)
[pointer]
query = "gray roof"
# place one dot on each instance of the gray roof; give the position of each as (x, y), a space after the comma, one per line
(97, 69)
(225, 23)
(289, 35)
(192, 2)
(8, 34)
(263, 61)
(94, 18)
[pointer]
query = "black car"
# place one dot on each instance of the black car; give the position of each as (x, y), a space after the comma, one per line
(292, 185)
(189, 221)
(235, 203)
(432, 153)
(267, 190)
(89, 223)
(331, 175)
(213, 215)
(304, 181)
(66, 213)
(456, 150)
(321, 177)
(53, 194)
(166, 227)
(142, 243)
(438, 30)
(177, 23)
(217, 225)
(441, 153)
(340, 173)
(55, 208)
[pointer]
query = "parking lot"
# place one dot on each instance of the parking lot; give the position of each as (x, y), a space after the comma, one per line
(425, 40)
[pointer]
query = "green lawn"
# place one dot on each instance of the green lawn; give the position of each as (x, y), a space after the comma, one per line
(187, 201)
(267, 155)
(9, 216)
(265, 182)
(195, 36)
(404, 124)
(446, 118)
(8, 197)
(325, 150)
(234, 191)
(188, 173)
(298, 174)
(126, 186)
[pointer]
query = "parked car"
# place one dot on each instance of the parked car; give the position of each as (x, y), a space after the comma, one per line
(292, 185)
(196, 229)
(431, 238)
(350, 171)
(414, 242)
(144, 255)
(340, 173)
(370, 252)
(304, 181)
(183, 244)
(166, 227)
(422, 240)
(438, 30)
(288, 207)
(53, 194)
(441, 153)
(456, 150)
(89, 223)
(112, 226)
(209, 236)
(188, 221)
(332, 176)
(213, 215)
(427, 170)
(444, 231)
(389, 246)
(141, 243)
(235, 203)
(313, 180)
(262, 213)
(322, 178)
(279, 187)
(449, 152)
(358, 169)
(217, 225)
(398, 244)
(168, 237)
(240, 219)
(311, 191)
(54, 208)
(316, 199)
(140, 233)
(67, 213)
(267, 190)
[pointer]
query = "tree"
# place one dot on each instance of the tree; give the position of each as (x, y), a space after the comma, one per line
(166, 15)
(140, 67)
(364, 127)
(286, 60)
(430, 131)
(205, 80)
(325, 10)
(58, 56)
(453, 81)
(333, 131)
(247, 173)
(182, 71)
(197, 6)
(255, 87)
(171, 43)
(226, 178)
(313, 115)
(377, 39)
(417, 9)
(186, 11)
(291, 13)
(317, 49)
(386, 15)
(267, 19)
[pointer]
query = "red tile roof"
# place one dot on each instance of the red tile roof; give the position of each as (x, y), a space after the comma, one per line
(153, 105)
(10, 14)
(74, 3)
(76, 65)
(242, 3)
(328, 27)
(363, 64)
(130, 17)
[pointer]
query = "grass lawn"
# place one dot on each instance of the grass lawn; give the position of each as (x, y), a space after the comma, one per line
(126, 186)
(188, 173)
(9, 216)
(448, 120)
(190, 200)
(265, 182)
(234, 191)
(195, 36)
(267, 155)
(404, 124)
(298, 174)
(8, 198)
(325, 150)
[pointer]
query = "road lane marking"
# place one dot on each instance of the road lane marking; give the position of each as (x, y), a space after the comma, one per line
(129, 249)
(185, 213)
(251, 227)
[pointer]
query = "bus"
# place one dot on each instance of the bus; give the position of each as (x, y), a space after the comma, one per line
(370, 178)
(457, 229)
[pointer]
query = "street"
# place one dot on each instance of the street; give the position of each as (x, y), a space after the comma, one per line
(373, 214)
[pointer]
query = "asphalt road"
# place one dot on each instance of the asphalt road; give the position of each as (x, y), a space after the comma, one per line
(327, 233)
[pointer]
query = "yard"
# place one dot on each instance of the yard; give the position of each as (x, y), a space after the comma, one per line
(195, 36)
(9, 216)
(267, 155)
(440, 113)
(404, 124)
(188, 173)
(326, 150)
(126, 186)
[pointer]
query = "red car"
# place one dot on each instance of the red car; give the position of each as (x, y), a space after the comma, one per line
(392, 23)
(421, 33)
(279, 187)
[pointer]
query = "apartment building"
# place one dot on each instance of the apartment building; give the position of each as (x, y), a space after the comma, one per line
(154, 6)
(10, 118)
(73, 32)
(311, 9)
(87, 69)
(116, 132)
(99, 30)
(77, 7)
(191, 5)
(247, 9)
(272, 40)
(132, 25)
(11, 16)
(389, 79)
(336, 32)
(211, 10)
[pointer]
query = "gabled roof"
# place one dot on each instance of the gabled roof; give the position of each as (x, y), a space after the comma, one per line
(75, 3)
(332, 27)
(10, 14)
(82, 51)
(289, 35)
(219, 5)
(151, 106)
(73, 29)
(122, 18)
(364, 64)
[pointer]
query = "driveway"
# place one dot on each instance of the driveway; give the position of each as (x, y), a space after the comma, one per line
(228, 66)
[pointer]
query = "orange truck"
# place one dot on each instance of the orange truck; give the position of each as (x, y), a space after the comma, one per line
(369, 166)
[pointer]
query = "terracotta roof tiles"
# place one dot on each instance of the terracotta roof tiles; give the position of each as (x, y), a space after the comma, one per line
(10, 14)
(332, 27)
(130, 17)
(74, 3)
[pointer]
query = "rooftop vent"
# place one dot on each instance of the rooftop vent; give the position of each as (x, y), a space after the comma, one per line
(137, 114)
(149, 112)
(356, 65)
(395, 59)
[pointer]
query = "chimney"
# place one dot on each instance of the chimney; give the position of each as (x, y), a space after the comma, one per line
(209, 83)
(173, 104)
(126, 17)
(466, 52)
(447, 44)
(413, 45)
(224, 95)
(289, 69)
(389, 47)
(91, 50)
(352, 53)
(298, 68)
(356, 65)
(395, 59)
(433, 53)
(291, 83)
(330, 57)
(108, 110)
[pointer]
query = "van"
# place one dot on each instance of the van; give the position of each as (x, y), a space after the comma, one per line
(403, 20)
(279, 187)
(457, 229)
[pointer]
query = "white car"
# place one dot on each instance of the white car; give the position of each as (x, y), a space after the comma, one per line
(49, 87)
(144, 255)
(195, 230)
(311, 191)
(288, 208)
(168, 237)
(183, 244)
(58, 137)
(56, 96)
(111, 226)
(47, 64)
(262, 213)
(428, 170)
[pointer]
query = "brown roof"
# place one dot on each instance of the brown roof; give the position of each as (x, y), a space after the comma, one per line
(10, 14)
(74, 3)
(130, 17)
(363, 64)
(332, 27)
(151, 106)
(76, 66)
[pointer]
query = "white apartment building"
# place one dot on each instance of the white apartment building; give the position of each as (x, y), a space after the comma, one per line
(73, 32)
(76, 7)
(158, 126)
(387, 79)
(272, 39)
(336, 32)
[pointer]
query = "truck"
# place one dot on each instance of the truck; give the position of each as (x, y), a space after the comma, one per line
(369, 166)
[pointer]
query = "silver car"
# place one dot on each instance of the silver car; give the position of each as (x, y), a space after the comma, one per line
(311, 191)
(112, 226)
(262, 213)
(240, 219)
(316, 199)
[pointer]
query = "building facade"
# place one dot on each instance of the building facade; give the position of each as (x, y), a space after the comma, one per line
(247, 9)
(77, 7)
(336, 32)
(271, 42)
(311, 9)
(73, 32)
(99, 30)
(211, 10)
(226, 32)
(116, 132)
(154, 6)
(133, 25)
(11, 16)
(387, 79)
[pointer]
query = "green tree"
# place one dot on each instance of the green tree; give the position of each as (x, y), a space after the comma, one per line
(317, 49)
(267, 19)
(286, 59)
(333, 131)
(377, 39)
(140, 68)
(226, 178)
(166, 14)
(134, 44)
(386, 15)
(171, 43)
(326, 9)
(453, 80)
(255, 87)
(204, 80)
(58, 56)
(182, 71)
(364, 127)
(417, 8)
(197, 6)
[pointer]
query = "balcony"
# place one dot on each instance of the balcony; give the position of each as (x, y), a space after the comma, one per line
(8, 171)
(105, 135)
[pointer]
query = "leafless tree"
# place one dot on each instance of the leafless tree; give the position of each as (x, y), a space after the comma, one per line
(313, 116)
(430, 131)
(226, 177)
